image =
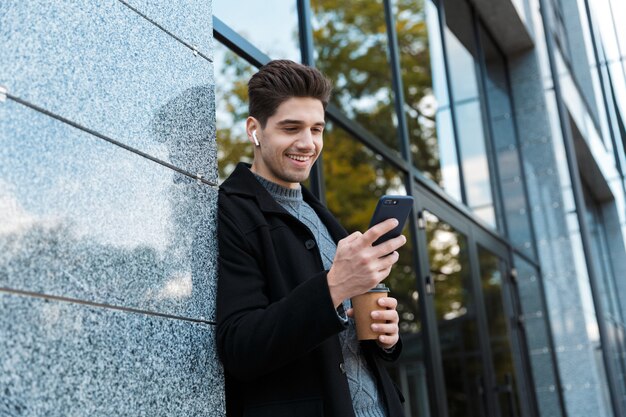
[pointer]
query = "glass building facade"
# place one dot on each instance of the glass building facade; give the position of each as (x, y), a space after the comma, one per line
(505, 124)
(505, 119)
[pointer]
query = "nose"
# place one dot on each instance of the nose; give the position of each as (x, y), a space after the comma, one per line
(305, 140)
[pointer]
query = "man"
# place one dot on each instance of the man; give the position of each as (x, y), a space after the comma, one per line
(287, 270)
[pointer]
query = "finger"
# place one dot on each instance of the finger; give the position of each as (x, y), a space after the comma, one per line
(350, 312)
(388, 341)
(389, 246)
(386, 263)
(378, 230)
(385, 315)
(388, 329)
(388, 302)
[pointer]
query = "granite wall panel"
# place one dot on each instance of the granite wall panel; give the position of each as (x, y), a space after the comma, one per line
(86, 219)
(66, 359)
(536, 333)
(105, 67)
(107, 247)
(549, 195)
(574, 325)
(548, 402)
(189, 21)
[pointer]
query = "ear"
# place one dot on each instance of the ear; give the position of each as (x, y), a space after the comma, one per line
(252, 128)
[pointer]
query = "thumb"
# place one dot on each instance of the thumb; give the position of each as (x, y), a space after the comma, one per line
(350, 312)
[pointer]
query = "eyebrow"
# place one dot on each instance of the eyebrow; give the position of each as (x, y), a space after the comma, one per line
(298, 122)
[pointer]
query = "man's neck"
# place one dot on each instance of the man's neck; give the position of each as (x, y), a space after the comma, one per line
(278, 191)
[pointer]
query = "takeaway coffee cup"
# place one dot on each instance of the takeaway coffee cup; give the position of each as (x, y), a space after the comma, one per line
(363, 305)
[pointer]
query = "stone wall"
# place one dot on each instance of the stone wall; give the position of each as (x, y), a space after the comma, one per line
(107, 236)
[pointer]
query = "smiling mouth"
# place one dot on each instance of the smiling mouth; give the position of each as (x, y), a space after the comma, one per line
(300, 158)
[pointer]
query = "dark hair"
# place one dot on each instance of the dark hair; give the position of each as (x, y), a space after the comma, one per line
(280, 80)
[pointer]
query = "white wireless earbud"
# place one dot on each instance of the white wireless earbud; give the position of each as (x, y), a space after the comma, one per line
(256, 141)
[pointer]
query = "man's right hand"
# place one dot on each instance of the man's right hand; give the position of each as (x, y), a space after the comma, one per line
(359, 266)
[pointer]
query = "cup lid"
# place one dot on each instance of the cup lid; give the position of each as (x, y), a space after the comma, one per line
(380, 288)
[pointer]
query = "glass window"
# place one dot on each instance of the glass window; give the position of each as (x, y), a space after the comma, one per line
(426, 104)
(455, 311)
(618, 8)
(461, 53)
(231, 109)
(273, 30)
(506, 378)
(558, 28)
(505, 145)
(612, 47)
(350, 42)
(355, 179)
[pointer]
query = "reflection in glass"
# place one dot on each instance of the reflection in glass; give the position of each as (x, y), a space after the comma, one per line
(350, 42)
(461, 52)
(231, 109)
(426, 103)
(254, 19)
(455, 310)
(506, 379)
(505, 145)
(355, 179)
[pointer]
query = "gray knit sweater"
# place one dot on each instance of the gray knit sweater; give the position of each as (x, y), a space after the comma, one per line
(365, 397)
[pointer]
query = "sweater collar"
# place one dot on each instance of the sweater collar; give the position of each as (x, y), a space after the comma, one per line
(279, 192)
(243, 182)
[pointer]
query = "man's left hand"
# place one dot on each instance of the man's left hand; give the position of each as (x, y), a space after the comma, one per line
(387, 322)
(389, 329)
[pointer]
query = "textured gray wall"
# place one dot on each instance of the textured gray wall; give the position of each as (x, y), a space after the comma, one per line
(107, 253)
(564, 274)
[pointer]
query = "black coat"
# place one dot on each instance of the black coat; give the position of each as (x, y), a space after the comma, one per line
(276, 324)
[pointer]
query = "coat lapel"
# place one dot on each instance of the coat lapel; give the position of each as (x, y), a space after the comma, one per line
(243, 182)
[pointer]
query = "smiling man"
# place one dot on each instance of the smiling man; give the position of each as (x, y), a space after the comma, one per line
(287, 270)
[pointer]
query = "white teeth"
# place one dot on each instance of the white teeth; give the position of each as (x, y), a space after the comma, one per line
(299, 158)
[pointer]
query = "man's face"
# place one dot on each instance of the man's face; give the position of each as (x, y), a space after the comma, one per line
(290, 142)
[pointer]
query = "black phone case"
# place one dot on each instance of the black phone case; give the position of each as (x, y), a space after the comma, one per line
(399, 210)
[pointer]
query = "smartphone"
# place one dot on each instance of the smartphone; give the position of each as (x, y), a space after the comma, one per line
(392, 206)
